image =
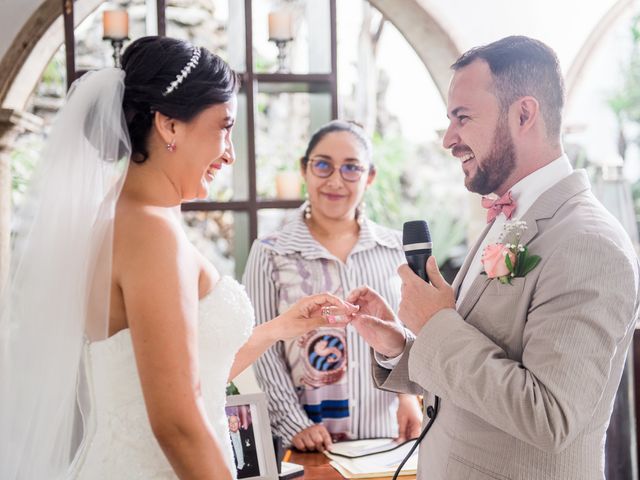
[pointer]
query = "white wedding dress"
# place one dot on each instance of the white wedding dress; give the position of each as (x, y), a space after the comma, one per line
(119, 443)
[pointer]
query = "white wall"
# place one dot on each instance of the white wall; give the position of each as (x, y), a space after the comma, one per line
(563, 24)
(13, 15)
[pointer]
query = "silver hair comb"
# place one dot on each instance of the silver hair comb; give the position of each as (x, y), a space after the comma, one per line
(191, 64)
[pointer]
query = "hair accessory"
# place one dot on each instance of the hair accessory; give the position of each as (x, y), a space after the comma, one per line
(191, 64)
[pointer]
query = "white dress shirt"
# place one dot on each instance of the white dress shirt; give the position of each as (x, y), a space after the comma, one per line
(524, 193)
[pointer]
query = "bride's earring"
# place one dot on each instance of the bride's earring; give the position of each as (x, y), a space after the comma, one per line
(171, 147)
(361, 211)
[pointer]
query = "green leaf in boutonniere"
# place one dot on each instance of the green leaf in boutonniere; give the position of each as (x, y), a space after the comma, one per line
(232, 389)
(530, 263)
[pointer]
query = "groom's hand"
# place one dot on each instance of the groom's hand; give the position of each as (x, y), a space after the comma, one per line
(422, 300)
(376, 323)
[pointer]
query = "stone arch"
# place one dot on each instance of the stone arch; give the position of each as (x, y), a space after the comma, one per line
(40, 36)
(575, 73)
(426, 34)
(38, 40)
(32, 49)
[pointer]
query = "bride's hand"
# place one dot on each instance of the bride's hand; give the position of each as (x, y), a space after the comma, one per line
(313, 312)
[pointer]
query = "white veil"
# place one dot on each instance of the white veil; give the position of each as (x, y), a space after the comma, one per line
(57, 296)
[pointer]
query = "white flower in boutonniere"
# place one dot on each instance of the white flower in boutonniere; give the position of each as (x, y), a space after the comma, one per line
(508, 258)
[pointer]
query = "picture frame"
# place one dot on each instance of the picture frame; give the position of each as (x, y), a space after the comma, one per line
(250, 433)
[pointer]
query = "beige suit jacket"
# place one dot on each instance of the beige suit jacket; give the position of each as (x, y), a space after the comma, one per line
(528, 372)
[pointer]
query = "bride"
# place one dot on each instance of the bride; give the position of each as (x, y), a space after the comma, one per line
(117, 337)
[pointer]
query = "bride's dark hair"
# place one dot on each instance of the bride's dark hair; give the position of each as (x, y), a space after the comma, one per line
(150, 65)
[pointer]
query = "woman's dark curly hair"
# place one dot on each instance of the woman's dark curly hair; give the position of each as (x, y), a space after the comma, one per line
(150, 65)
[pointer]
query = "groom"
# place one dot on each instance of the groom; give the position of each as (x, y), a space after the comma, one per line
(526, 366)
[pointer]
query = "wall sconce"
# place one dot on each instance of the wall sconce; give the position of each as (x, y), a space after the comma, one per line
(281, 33)
(115, 25)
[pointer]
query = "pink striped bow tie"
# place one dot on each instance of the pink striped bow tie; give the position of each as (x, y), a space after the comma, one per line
(505, 204)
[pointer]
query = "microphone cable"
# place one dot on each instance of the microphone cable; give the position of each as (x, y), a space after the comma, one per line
(432, 413)
(417, 246)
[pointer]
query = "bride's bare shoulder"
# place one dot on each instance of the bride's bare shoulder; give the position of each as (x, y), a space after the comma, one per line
(136, 219)
(142, 230)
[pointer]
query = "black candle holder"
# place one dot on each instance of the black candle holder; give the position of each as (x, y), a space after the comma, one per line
(281, 43)
(117, 44)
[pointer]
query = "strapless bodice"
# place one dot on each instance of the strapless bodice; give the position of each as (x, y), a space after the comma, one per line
(120, 443)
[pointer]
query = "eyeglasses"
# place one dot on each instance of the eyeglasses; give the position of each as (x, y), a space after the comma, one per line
(350, 172)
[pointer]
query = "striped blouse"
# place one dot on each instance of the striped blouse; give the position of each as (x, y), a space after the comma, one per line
(324, 376)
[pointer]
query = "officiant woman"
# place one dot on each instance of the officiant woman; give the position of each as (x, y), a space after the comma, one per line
(319, 386)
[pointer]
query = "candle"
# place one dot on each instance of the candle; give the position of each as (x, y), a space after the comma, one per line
(115, 24)
(280, 27)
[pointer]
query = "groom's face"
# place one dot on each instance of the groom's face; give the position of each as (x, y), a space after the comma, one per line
(496, 166)
(478, 133)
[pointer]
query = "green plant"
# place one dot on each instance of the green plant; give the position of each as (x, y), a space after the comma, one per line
(54, 73)
(384, 198)
(625, 103)
(23, 160)
(399, 193)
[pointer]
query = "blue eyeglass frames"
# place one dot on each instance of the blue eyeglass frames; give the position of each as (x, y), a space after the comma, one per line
(350, 172)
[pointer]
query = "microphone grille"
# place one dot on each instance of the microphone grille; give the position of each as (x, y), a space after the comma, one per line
(416, 231)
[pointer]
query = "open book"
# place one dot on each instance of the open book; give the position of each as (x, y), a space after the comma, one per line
(372, 458)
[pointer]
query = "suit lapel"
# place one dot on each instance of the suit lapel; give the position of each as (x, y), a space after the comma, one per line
(479, 283)
(550, 202)
(544, 207)
(473, 294)
(457, 282)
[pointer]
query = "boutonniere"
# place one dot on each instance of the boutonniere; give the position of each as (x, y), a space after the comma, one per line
(508, 258)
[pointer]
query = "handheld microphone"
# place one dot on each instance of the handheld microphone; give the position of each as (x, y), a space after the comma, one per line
(416, 243)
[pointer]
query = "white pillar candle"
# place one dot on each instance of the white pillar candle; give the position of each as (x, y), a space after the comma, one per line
(280, 27)
(115, 24)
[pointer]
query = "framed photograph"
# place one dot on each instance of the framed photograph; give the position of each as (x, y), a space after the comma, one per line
(250, 434)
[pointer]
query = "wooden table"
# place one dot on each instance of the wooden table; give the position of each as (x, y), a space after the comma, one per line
(316, 467)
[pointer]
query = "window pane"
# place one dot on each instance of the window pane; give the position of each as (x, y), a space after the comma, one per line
(222, 237)
(210, 24)
(284, 123)
(272, 219)
(309, 51)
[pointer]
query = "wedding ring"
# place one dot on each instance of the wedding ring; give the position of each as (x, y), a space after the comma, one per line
(325, 312)
(337, 318)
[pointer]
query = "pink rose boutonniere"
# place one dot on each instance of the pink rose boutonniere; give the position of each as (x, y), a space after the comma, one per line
(509, 259)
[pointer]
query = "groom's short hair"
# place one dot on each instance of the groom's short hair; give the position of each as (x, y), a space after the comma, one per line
(522, 66)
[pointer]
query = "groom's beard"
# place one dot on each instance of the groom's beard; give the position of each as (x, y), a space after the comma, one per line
(497, 166)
